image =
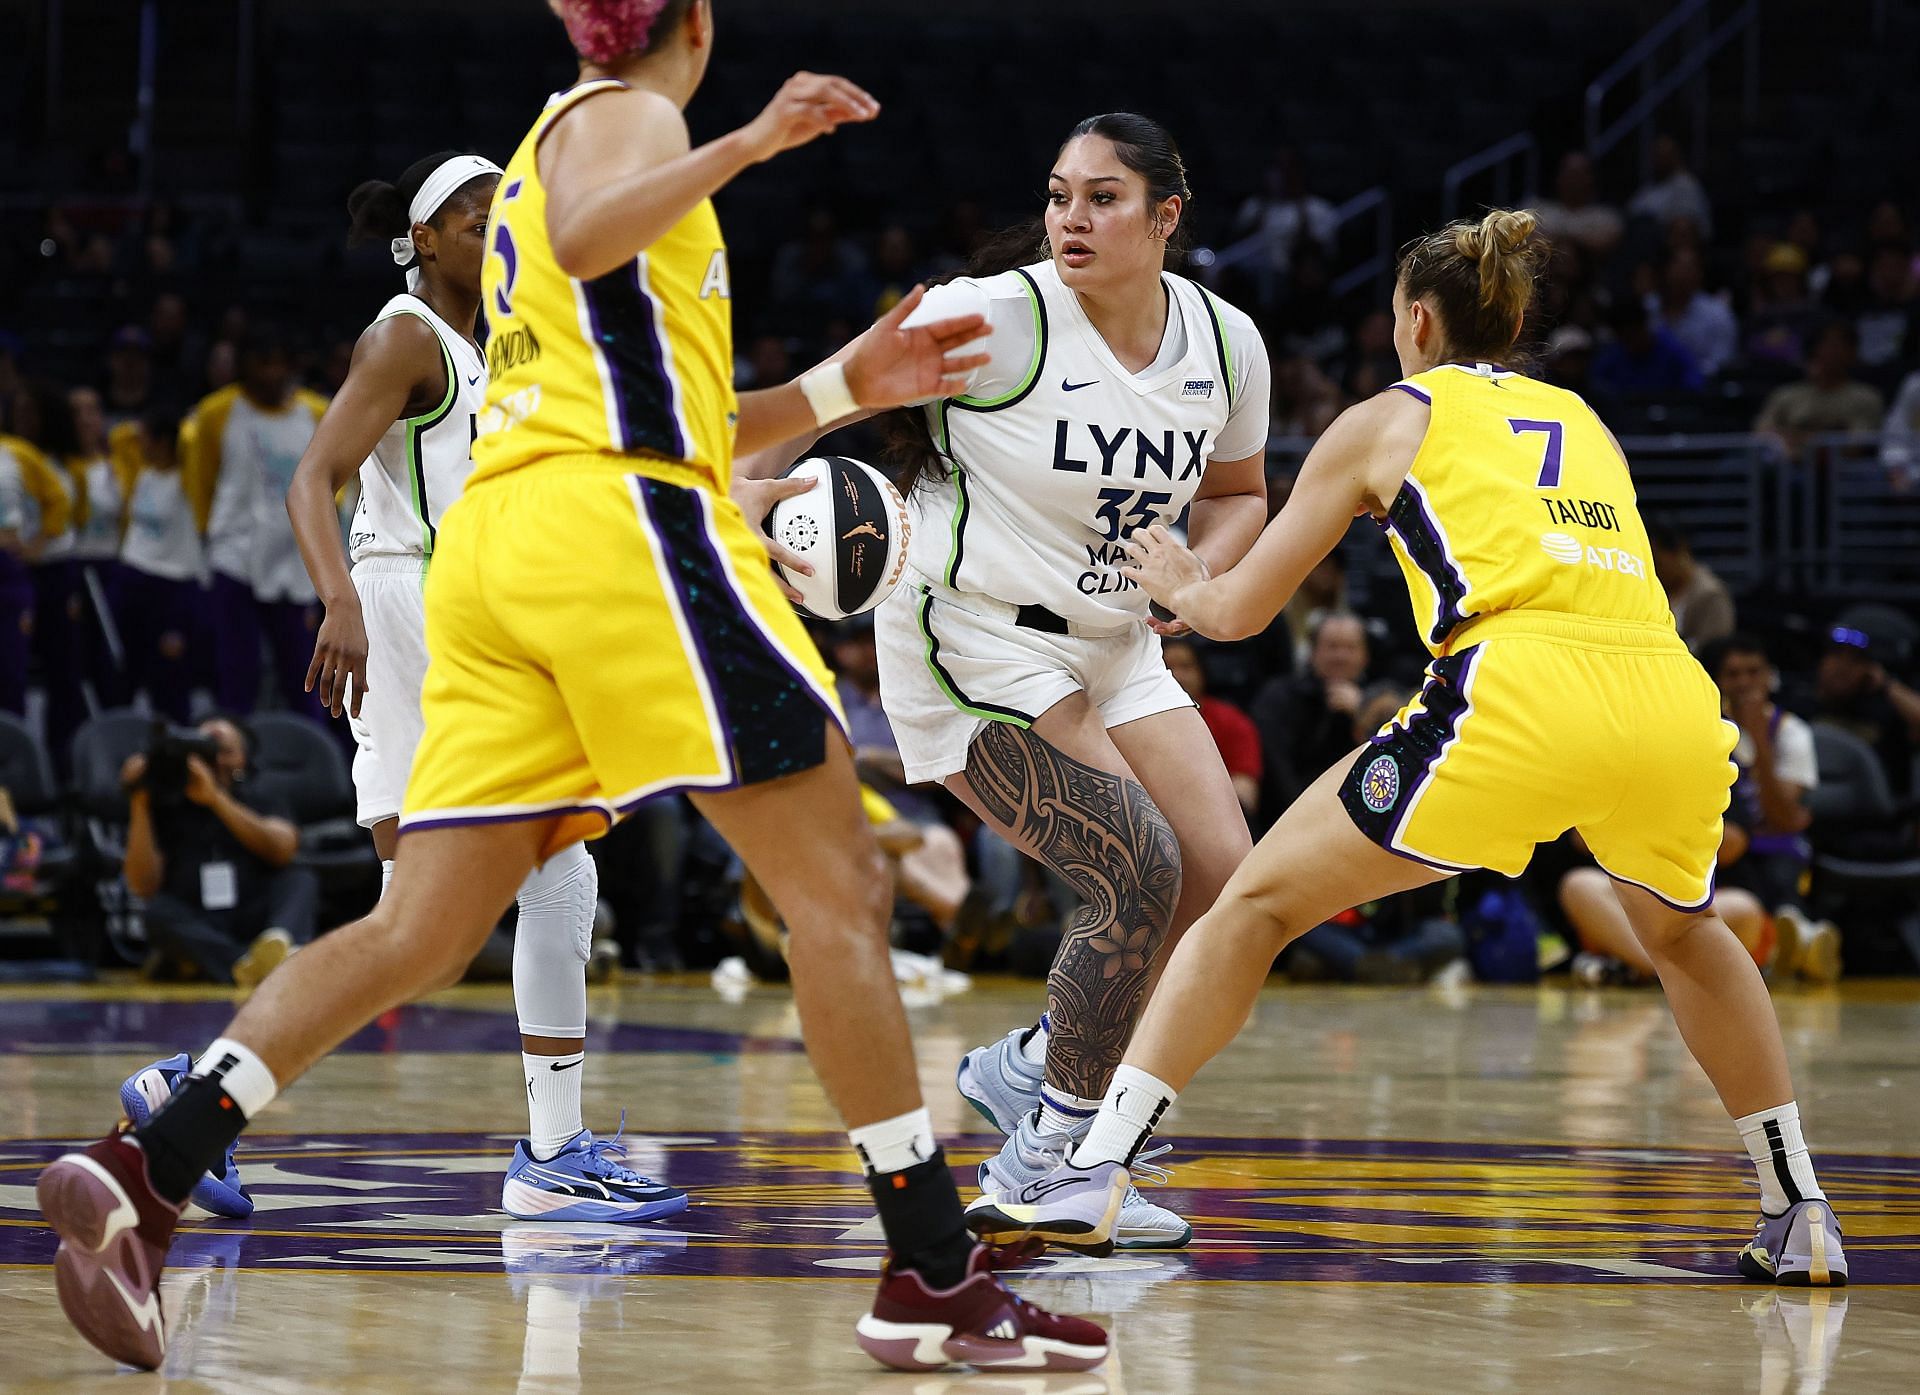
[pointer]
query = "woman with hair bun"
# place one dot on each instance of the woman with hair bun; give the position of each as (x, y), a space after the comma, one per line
(1559, 697)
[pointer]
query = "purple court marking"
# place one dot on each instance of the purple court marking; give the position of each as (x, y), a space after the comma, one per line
(64, 1026)
(791, 1205)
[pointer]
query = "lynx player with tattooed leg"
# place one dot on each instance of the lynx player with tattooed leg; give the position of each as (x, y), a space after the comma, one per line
(1554, 652)
(1018, 662)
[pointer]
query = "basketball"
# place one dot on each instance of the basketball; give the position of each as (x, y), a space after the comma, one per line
(852, 526)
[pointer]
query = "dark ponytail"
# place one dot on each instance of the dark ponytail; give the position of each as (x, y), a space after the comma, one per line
(378, 210)
(1146, 148)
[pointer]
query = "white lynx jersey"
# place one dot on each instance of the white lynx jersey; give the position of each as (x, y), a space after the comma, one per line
(1057, 451)
(422, 463)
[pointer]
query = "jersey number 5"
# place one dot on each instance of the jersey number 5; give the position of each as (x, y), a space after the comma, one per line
(503, 248)
(1550, 462)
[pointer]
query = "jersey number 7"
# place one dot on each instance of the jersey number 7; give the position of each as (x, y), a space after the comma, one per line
(1550, 462)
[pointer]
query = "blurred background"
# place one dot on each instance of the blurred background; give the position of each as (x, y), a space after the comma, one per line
(1735, 285)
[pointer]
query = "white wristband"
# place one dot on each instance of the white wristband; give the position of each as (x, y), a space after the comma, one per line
(827, 393)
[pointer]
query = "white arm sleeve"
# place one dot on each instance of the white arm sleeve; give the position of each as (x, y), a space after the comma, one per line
(1009, 340)
(1245, 433)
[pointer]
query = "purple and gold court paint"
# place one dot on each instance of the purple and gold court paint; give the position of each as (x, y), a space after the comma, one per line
(790, 1205)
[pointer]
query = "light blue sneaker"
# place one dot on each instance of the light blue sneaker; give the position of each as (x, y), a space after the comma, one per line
(1799, 1248)
(1029, 1155)
(142, 1094)
(585, 1181)
(997, 1081)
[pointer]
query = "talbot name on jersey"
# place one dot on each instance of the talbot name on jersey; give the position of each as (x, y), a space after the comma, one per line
(1128, 451)
(510, 350)
(1583, 513)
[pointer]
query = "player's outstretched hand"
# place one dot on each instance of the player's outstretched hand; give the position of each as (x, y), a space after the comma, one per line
(891, 365)
(1162, 564)
(756, 499)
(340, 657)
(807, 106)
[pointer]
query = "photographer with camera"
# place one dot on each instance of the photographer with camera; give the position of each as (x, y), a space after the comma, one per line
(214, 869)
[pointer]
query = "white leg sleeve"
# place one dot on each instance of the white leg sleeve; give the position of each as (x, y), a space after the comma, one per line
(551, 945)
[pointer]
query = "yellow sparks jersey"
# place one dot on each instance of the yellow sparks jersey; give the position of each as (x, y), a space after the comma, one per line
(1517, 500)
(632, 365)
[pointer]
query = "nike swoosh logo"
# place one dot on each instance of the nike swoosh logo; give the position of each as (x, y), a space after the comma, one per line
(1034, 1191)
(146, 1313)
(1066, 386)
(568, 1066)
(474, 379)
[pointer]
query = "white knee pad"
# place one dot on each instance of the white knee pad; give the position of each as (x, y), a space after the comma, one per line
(552, 943)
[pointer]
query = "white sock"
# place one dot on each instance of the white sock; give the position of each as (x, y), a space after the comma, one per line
(1128, 1116)
(386, 875)
(896, 1144)
(1780, 1156)
(553, 1101)
(1033, 1047)
(1061, 1112)
(241, 1073)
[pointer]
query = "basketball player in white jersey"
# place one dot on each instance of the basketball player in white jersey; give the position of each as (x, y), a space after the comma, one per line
(1019, 664)
(404, 421)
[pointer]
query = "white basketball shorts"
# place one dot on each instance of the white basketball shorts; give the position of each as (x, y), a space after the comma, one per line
(389, 726)
(950, 662)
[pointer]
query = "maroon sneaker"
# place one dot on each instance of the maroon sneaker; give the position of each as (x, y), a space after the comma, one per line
(977, 1322)
(114, 1230)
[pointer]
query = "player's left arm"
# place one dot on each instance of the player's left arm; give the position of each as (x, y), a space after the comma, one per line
(1357, 465)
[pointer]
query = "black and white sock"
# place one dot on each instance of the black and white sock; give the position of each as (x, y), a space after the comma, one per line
(1780, 1156)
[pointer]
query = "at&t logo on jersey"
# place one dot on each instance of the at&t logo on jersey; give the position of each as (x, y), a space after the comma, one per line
(1571, 552)
(1197, 387)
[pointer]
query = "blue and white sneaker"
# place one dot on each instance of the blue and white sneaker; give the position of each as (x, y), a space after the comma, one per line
(142, 1094)
(1799, 1248)
(585, 1181)
(1030, 1155)
(1076, 1208)
(998, 1081)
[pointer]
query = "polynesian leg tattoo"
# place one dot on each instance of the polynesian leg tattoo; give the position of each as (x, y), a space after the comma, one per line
(1109, 840)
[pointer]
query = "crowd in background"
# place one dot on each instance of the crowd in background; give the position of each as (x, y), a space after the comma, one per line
(145, 553)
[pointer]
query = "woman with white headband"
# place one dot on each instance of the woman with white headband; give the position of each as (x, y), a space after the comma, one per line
(404, 421)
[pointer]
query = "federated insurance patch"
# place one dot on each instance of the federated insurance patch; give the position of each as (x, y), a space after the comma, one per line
(1380, 784)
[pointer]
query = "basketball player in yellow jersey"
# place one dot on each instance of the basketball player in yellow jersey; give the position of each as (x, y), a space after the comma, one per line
(1559, 697)
(603, 626)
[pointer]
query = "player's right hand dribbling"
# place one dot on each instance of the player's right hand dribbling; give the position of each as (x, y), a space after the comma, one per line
(807, 106)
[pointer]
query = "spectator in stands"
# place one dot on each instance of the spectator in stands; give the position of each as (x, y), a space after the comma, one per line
(1703, 323)
(1609, 950)
(1855, 693)
(35, 512)
(1775, 767)
(1569, 359)
(1701, 604)
(129, 383)
(1889, 321)
(1233, 730)
(242, 447)
(1323, 593)
(162, 563)
(1305, 400)
(1575, 211)
(1781, 317)
(1643, 358)
(1286, 216)
(1673, 192)
(99, 525)
(896, 264)
(1829, 400)
(1306, 720)
(214, 864)
(1370, 364)
(822, 274)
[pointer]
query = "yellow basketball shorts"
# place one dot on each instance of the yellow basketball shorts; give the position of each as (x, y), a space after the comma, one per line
(596, 638)
(1535, 725)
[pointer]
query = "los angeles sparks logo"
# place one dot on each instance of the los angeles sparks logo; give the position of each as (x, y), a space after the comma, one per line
(1380, 786)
